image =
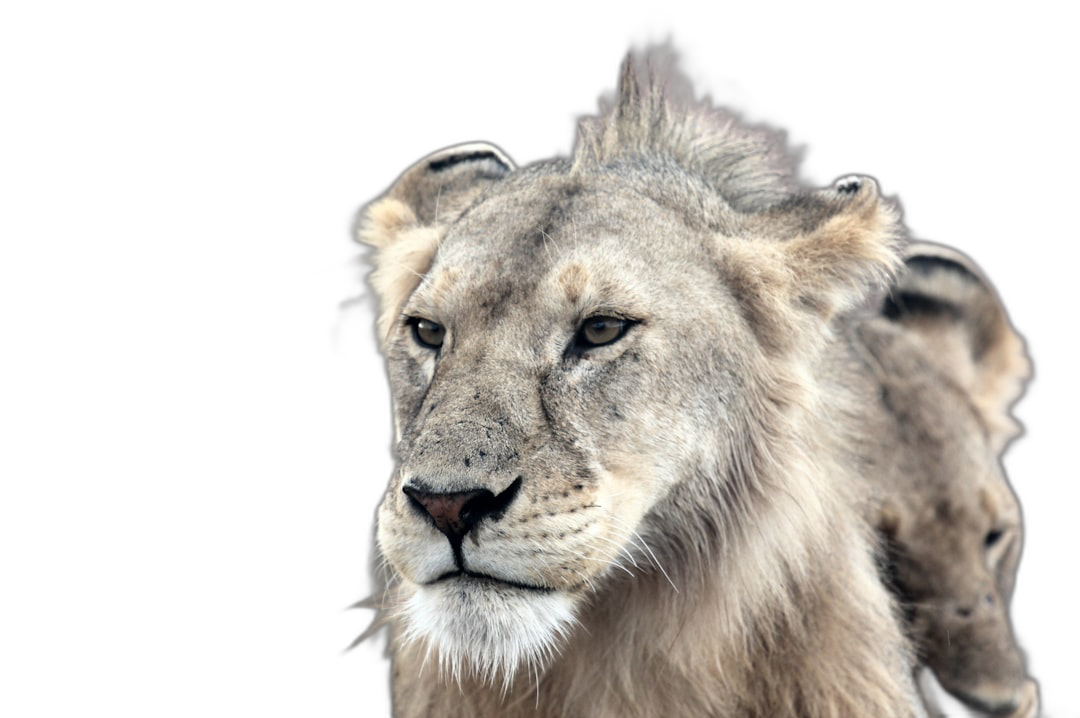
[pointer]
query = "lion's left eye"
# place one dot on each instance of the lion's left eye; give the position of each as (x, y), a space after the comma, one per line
(992, 537)
(599, 331)
(427, 333)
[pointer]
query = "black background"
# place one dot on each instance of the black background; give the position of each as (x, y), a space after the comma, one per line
(316, 116)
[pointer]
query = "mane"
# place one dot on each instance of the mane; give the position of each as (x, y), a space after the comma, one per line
(655, 116)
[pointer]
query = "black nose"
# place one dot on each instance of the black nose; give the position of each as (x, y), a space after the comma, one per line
(455, 513)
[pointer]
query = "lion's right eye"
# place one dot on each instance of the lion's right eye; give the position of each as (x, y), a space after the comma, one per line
(427, 333)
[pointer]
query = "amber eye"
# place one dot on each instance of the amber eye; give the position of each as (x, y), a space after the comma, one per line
(598, 331)
(427, 333)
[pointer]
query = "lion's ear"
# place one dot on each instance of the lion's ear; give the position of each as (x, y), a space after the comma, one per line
(941, 296)
(436, 189)
(837, 260)
(813, 256)
(406, 224)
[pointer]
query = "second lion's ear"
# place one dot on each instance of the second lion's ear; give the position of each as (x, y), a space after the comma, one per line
(406, 224)
(942, 297)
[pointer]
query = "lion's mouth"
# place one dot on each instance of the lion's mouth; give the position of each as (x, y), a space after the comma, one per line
(472, 577)
(952, 705)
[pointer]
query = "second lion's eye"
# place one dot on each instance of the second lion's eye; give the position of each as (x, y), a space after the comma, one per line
(427, 333)
(598, 331)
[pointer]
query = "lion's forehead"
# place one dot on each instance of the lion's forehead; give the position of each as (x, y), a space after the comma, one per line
(982, 498)
(531, 225)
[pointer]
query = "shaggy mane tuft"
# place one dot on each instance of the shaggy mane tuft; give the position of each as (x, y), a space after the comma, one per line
(655, 116)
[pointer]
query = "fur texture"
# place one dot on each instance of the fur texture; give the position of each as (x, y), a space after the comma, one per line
(666, 522)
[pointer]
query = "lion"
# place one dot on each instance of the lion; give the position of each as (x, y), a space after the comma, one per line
(948, 366)
(623, 482)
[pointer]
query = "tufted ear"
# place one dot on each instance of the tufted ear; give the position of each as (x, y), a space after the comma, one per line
(813, 256)
(852, 250)
(406, 224)
(942, 297)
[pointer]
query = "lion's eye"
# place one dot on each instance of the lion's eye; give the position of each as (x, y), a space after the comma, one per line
(598, 331)
(427, 333)
(993, 537)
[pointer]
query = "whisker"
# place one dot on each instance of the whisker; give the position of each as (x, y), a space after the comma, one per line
(585, 579)
(621, 548)
(644, 545)
(549, 237)
(604, 560)
(536, 671)
(410, 270)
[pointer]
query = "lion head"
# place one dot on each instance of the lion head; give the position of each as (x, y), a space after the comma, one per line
(612, 440)
(951, 366)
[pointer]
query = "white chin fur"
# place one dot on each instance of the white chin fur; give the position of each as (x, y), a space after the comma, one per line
(487, 630)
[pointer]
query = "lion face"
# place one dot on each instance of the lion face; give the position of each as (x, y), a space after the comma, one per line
(569, 354)
(957, 561)
(955, 534)
(548, 396)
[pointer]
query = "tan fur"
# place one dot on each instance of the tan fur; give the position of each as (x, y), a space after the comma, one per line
(948, 365)
(679, 527)
(574, 281)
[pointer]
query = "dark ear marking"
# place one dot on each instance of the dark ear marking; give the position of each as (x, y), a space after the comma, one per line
(440, 186)
(942, 297)
(849, 185)
(899, 304)
(926, 271)
(444, 163)
(926, 263)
